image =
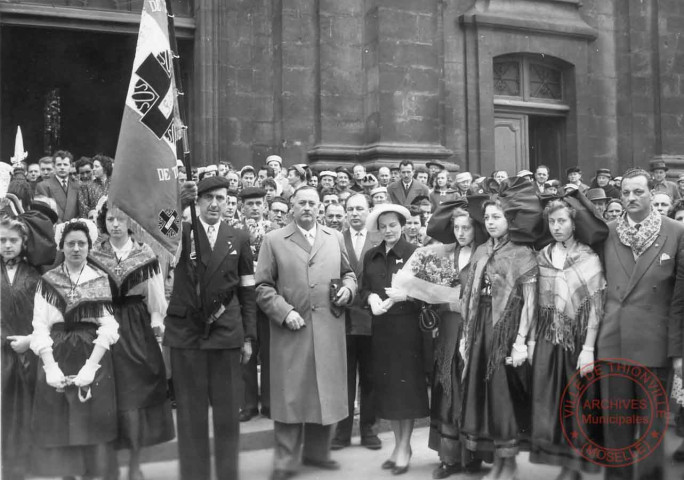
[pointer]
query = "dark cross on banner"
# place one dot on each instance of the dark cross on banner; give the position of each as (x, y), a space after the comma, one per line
(150, 92)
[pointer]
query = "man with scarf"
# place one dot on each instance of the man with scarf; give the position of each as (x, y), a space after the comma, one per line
(644, 265)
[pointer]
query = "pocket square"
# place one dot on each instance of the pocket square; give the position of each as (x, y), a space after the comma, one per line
(232, 252)
(400, 260)
(664, 257)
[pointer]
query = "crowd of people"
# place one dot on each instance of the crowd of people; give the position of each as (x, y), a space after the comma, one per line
(297, 272)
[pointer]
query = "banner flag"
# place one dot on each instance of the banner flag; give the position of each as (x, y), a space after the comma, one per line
(144, 183)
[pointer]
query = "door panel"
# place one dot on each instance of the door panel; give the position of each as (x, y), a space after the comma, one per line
(511, 142)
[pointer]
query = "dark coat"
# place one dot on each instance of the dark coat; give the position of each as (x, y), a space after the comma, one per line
(358, 317)
(224, 268)
(397, 195)
(644, 299)
(67, 202)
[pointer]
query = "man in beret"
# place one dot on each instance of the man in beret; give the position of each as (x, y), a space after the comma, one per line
(660, 183)
(210, 335)
(253, 206)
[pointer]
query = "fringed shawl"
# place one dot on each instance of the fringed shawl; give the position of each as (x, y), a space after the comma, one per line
(92, 300)
(571, 298)
(508, 266)
(140, 265)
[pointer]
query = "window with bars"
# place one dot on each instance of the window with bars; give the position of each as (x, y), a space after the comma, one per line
(524, 78)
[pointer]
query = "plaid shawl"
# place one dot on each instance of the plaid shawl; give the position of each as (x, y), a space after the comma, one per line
(571, 299)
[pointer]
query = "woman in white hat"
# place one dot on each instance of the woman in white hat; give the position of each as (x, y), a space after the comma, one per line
(399, 381)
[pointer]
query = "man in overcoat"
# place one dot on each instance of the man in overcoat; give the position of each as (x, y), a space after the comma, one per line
(210, 336)
(307, 351)
(644, 310)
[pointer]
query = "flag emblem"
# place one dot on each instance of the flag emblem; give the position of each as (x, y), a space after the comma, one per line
(152, 94)
(169, 222)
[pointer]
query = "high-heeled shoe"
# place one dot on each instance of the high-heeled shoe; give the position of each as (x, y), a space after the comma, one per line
(400, 470)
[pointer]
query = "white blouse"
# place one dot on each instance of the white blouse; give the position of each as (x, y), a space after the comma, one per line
(46, 315)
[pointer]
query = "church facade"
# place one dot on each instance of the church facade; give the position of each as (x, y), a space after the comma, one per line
(479, 84)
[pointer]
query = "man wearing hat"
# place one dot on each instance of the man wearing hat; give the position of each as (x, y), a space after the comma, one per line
(434, 168)
(551, 187)
(253, 207)
(660, 183)
(574, 176)
(404, 191)
(326, 179)
(602, 180)
(598, 197)
(210, 336)
(379, 196)
(303, 277)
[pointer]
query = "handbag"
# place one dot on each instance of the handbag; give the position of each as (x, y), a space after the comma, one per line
(428, 318)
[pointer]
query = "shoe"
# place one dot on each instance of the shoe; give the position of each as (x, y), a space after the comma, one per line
(266, 412)
(247, 415)
(400, 470)
(473, 466)
(282, 474)
(388, 465)
(372, 442)
(324, 464)
(339, 444)
(444, 470)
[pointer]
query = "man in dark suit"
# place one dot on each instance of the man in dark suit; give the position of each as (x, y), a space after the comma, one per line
(644, 309)
(61, 187)
(357, 242)
(210, 336)
(406, 189)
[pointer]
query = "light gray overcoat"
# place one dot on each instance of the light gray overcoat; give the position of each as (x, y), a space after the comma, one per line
(308, 366)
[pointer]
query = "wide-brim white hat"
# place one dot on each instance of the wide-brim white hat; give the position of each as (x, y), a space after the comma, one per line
(372, 220)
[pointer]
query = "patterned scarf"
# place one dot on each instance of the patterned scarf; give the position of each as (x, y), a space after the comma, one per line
(569, 298)
(639, 239)
(508, 265)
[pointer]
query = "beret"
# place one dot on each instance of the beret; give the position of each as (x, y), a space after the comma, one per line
(252, 192)
(211, 183)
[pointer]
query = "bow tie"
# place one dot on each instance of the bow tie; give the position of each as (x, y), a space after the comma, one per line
(13, 262)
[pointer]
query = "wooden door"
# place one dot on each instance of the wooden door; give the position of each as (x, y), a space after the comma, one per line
(511, 142)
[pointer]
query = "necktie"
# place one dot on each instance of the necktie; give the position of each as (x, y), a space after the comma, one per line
(358, 245)
(211, 233)
(310, 238)
(64, 185)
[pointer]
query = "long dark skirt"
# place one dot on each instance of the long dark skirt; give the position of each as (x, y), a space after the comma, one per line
(18, 383)
(446, 399)
(70, 435)
(496, 413)
(144, 410)
(553, 369)
(399, 382)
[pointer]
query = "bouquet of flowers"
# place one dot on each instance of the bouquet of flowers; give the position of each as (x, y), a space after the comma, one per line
(430, 275)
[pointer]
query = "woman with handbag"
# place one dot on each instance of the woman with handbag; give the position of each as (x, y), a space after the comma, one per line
(399, 382)
(74, 412)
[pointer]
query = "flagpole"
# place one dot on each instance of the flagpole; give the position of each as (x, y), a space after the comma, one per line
(187, 161)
